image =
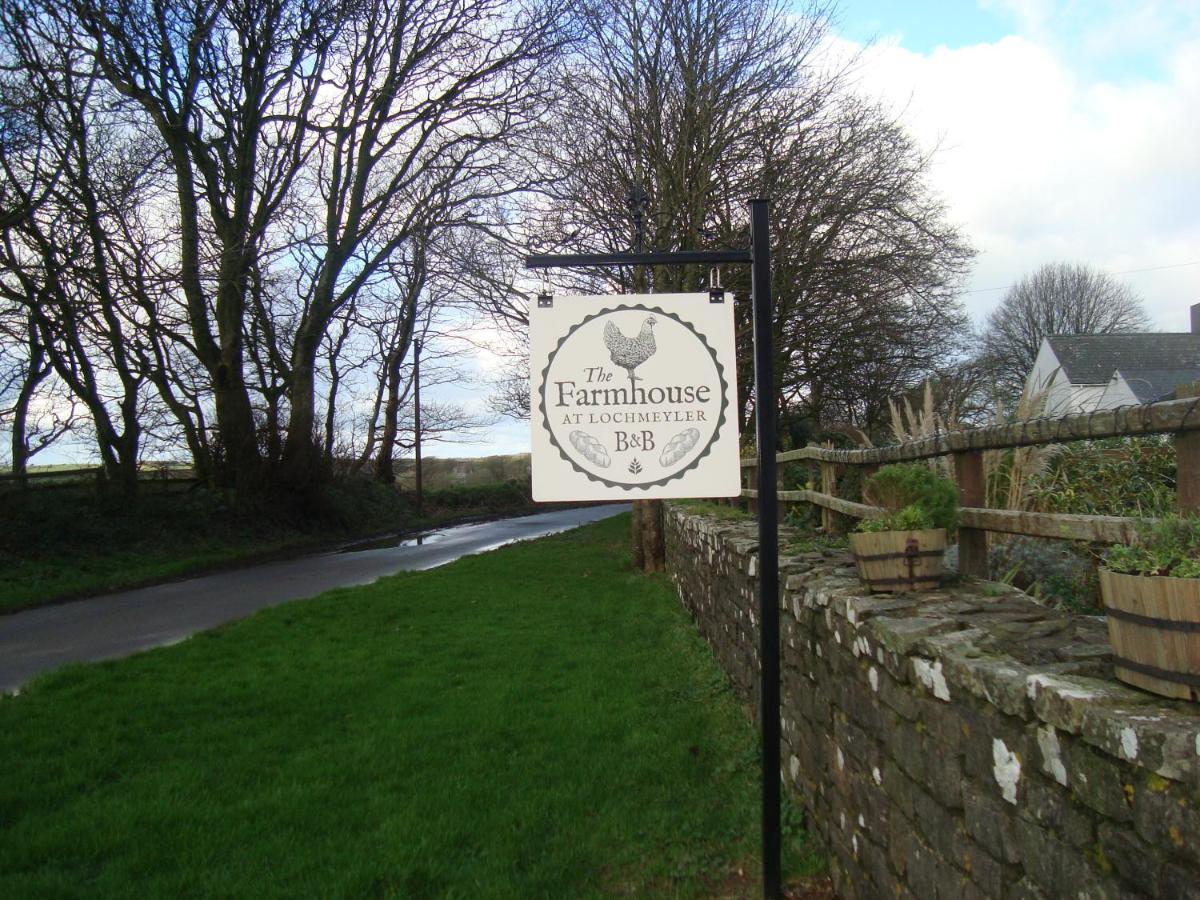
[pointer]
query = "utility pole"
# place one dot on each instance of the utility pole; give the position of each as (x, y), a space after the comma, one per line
(417, 424)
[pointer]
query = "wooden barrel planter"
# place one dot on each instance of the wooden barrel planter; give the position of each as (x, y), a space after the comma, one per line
(893, 561)
(1154, 629)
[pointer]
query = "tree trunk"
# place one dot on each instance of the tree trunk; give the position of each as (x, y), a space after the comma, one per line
(384, 463)
(35, 375)
(636, 535)
(653, 546)
(384, 470)
(301, 463)
(125, 475)
(20, 440)
(335, 380)
(242, 467)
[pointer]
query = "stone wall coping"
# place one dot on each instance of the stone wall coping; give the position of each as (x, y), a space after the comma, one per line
(990, 641)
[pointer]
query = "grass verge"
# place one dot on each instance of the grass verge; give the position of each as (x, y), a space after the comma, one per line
(534, 722)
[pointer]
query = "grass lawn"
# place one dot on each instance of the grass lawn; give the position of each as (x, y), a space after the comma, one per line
(538, 721)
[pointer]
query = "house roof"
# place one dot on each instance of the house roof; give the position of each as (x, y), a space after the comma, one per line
(1092, 358)
(1149, 385)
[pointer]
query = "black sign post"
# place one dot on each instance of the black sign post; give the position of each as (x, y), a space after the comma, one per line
(759, 258)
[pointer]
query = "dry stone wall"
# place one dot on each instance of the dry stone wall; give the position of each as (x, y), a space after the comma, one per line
(970, 743)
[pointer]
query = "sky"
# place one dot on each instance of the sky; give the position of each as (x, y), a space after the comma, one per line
(1065, 131)
(1062, 131)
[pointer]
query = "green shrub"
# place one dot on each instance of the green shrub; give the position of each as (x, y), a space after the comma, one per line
(915, 496)
(512, 494)
(1112, 477)
(1170, 546)
(1060, 573)
(911, 518)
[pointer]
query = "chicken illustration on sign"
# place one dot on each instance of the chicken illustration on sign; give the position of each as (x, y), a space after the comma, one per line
(629, 353)
(632, 398)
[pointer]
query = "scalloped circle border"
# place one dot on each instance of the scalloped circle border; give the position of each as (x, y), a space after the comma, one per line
(668, 478)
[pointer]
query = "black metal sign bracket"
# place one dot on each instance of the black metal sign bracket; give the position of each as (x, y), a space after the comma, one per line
(759, 258)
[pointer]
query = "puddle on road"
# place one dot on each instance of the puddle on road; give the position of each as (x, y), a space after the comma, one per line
(395, 542)
(502, 528)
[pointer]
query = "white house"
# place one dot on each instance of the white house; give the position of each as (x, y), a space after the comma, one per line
(1085, 372)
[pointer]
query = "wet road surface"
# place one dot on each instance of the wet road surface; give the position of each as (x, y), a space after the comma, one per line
(38, 640)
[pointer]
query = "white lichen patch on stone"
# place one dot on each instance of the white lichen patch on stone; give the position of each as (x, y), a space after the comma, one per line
(930, 675)
(1006, 767)
(1032, 683)
(837, 635)
(841, 760)
(873, 677)
(843, 821)
(854, 844)
(875, 774)
(752, 569)
(862, 823)
(1129, 744)
(1042, 681)
(819, 653)
(828, 618)
(794, 767)
(1052, 763)
(879, 659)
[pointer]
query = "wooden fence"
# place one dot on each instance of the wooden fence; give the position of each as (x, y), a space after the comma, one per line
(1180, 418)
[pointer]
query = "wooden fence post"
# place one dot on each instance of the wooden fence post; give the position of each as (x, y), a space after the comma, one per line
(750, 483)
(972, 542)
(782, 507)
(1187, 459)
(829, 522)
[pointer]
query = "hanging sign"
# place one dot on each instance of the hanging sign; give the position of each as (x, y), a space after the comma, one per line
(632, 397)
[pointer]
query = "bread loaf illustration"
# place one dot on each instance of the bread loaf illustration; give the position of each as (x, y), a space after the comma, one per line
(590, 448)
(677, 447)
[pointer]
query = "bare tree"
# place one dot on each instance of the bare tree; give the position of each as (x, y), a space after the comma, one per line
(866, 266)
(307, 142)
(74, 260)
(669, 102)
(227, 88)
(430, 96)
(666, 105)
(701, 104)
(33, 406)
(27, 170)
(1058, 298)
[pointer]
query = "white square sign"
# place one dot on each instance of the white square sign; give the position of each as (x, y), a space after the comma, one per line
(633, 397)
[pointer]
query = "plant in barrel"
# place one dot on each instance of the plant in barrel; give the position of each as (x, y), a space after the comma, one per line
(1151, 593)
(902, 549)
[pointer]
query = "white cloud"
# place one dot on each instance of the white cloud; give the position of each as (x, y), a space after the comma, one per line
(1040, 162)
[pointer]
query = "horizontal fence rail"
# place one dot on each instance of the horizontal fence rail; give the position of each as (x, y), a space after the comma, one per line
(1180, 418)
(1167, 417)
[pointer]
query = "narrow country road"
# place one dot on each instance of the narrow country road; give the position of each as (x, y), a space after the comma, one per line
(38, 640)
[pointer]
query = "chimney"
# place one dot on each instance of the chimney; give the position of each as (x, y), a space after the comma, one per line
(1196, 318)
